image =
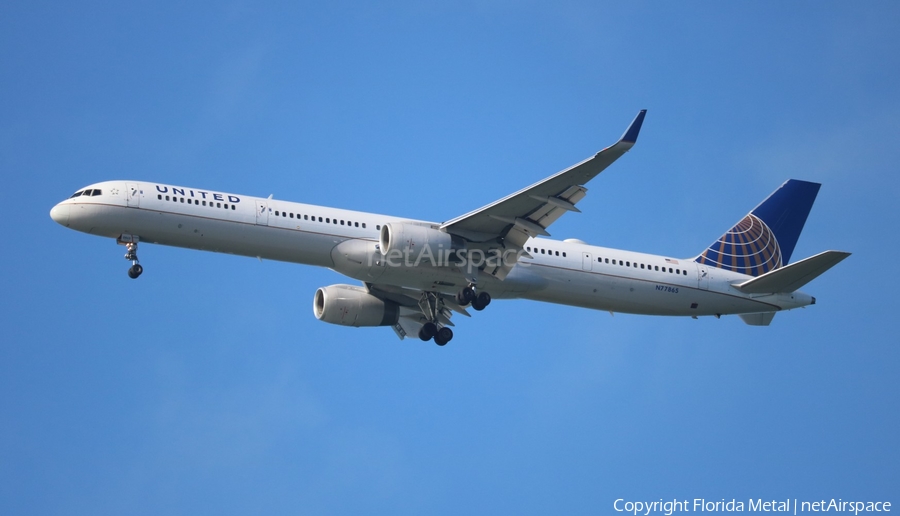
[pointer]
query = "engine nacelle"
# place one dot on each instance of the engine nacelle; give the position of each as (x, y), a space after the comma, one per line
(348, 305)
(398, 239)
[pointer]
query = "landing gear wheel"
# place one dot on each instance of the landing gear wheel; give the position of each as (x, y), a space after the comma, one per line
(481, 301)
(135, 270)
(465, 296)
(428, 331)
(444, 335)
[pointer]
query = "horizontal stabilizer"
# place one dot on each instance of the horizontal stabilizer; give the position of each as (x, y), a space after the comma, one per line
(791, 277)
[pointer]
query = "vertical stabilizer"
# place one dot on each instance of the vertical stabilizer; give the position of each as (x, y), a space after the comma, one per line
(765, 239)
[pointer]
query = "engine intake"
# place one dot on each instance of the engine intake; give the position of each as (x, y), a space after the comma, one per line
(348, 305)
(397, 237)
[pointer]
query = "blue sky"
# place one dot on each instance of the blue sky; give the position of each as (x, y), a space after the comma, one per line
(208, 387)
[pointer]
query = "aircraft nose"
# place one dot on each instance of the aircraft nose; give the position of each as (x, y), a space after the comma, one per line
(60, 214)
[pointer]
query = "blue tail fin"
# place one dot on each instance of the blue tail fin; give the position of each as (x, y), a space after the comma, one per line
(764, 240)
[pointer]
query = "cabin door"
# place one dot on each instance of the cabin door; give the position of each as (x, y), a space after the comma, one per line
(133, 195)
(262, 212)
(586, 261)
(702, 276)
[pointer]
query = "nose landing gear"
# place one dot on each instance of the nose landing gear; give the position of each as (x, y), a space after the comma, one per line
(131, 244)
(135, 270)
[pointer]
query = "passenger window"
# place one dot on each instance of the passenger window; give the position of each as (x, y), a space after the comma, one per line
(306, 217)
(614, 261)
(232, 207)
(685, 273)
(226, 206)
(159, 196)
(342, 222)
(335, 222)
(677, 271)
(542, 251)
(276, 213)
(670, 270)
(218, 205)
(564, 254)
(642, 265)
(600, 260)
(291, 215)
(557, 253)
(378, 227)
(628, 264)
(204, 203)
(356, 224)
(607, 260)
(364, 225)
(656, 268)
(167, 197)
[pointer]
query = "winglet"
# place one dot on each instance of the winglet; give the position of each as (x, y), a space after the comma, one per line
(631, 134)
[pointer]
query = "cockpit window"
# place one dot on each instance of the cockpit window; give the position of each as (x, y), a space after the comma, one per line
(96, 192)
(76, 194)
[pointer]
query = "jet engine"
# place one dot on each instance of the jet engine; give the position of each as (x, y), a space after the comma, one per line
(348, 305)
(411, 239)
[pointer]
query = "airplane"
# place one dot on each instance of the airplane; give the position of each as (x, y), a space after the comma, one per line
(416, 274)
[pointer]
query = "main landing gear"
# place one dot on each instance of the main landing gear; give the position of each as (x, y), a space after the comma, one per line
(436, 314)
(441, 336)
(467, 296)
(131, 255)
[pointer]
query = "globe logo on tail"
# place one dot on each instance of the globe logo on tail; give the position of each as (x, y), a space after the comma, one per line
(749, 248)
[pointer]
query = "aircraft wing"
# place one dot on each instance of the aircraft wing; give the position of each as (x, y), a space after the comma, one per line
(528, 213)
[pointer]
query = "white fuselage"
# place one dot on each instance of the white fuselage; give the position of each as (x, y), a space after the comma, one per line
(564, 272)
